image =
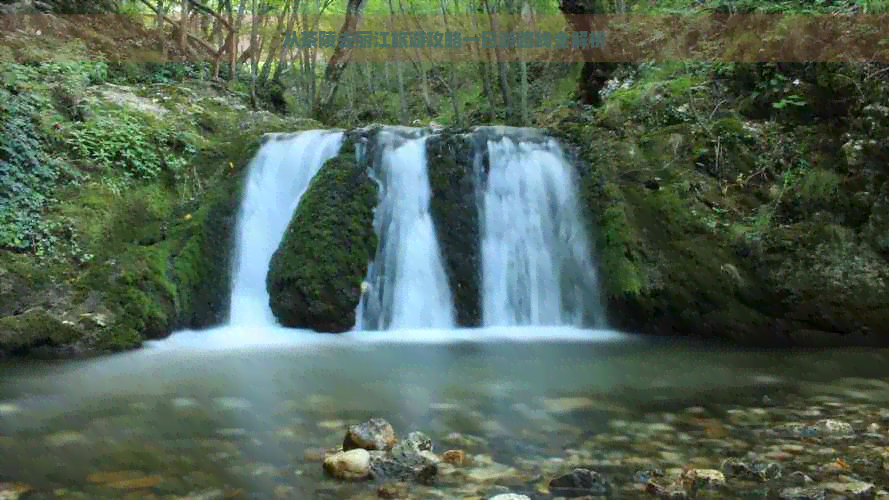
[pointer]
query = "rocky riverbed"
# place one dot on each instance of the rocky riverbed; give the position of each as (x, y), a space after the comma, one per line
(818, 441)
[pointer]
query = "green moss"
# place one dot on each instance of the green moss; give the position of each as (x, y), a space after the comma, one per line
(167, 262)
(315, 275)
(818, 184)
(34, 327)
(136, 287)
(24, 267)
(454, 209)
(619, 273)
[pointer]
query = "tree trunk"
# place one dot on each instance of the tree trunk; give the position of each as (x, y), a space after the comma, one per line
(523, 67)
(183, 28)
(583, 15)
(503, 72)
(402, 96)
(276, 39)
(160, 30)
(282, 56)
(451, 81)
(338, 60)
(254, 56)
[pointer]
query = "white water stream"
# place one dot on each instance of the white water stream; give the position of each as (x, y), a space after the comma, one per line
(537, 266)
(407, 284)
(276, 180)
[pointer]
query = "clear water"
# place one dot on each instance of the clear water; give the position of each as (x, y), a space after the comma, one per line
(195, 416)
(242, 410)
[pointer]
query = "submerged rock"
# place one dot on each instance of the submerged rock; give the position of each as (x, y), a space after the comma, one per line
(348, 465)
(375, 434)
(370, 450)
(411, 459)
(579, 483)
(455, 457)
(802, 493)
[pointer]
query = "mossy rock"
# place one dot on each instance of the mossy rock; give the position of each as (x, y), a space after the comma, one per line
(454, 209)
(315, 275)
(185, 279)
(35, 327)
(828, 277)
(662, 270)
(671, 264)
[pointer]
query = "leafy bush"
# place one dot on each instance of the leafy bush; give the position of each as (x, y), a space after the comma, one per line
(125, 144)
(27, 175)
(166, 72)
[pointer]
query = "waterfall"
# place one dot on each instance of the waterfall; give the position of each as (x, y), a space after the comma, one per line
(278, 176)
(406, 285)
(536, 261)
(537, 266)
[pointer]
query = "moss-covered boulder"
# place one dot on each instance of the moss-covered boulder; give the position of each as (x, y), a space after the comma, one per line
(771, 254)
(454, 208)
(315, 275)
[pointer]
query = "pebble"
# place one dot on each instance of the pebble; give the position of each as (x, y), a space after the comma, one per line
(705, 478)
(348, 465)
(455, 457)
(64, 438)
(833, 427)
(580, 482)
(804, 493)
(375, 434)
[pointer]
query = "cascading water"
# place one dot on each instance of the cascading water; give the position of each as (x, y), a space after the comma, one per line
(278, 176)
(537, 260)
(407, 285)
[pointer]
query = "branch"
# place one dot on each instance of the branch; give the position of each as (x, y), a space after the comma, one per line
(214, 52)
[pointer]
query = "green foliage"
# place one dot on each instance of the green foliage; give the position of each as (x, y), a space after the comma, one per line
(72, 75)
(616, 240)
(125, 144)
(27, 175)
(658, 97)
(752, 228)
(154, 73)
(819, 184)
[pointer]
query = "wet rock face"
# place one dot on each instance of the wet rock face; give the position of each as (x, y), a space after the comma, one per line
(675, 262)
(454, 209)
